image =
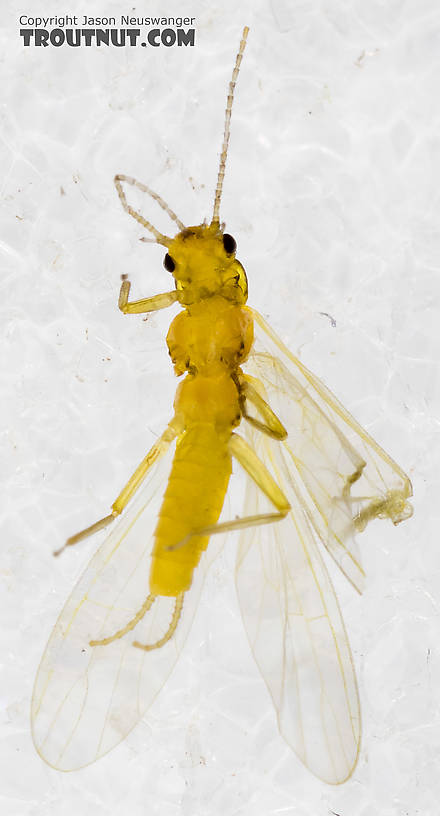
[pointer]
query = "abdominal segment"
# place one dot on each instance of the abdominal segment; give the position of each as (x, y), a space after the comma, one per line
(193, 500)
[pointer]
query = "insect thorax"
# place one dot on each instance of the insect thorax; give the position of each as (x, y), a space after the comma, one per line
(212, 337)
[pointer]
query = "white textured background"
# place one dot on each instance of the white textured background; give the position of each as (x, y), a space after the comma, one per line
(332, 194)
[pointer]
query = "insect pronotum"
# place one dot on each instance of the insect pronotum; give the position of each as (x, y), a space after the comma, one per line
(126, 621)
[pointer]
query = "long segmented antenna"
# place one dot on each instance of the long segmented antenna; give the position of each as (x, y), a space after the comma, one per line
(161, 239)
(228, 112)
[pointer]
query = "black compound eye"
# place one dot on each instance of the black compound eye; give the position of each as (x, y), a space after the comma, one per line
(169, 263)
(229, 244)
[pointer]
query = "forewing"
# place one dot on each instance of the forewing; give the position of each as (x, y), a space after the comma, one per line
(86, 699)
(345, 478)
(296, 631)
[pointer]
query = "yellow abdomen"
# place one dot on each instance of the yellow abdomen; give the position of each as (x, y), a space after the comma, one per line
(193, 500)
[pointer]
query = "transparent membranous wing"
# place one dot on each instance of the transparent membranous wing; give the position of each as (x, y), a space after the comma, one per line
(337, 479)
(296, 631)
(344, 477)
(86, 699)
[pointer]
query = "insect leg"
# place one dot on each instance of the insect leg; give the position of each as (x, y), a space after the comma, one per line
(158, 450)
(271, 426)
(150, 304)
(249, 460)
